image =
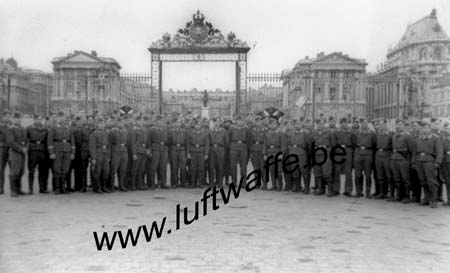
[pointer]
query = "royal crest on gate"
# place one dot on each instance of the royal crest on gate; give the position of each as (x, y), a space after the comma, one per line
(198, 33)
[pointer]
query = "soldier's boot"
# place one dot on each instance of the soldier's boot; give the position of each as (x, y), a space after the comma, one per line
(406, 199)
(2, 187)
(307, 186)
(19, 185)
(434, 196)
(319, 186)
(448, 197)
(280, 183)
(30, 183)
(62, 187)
(274, 185)
(12, 182)
(426, 198)
(330, 188)
(440, 196)
(264, 186)
(391, 197)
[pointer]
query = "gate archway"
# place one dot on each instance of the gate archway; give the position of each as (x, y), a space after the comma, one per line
(199, 41)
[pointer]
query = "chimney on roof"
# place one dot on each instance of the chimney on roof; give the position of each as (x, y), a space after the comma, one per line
(94, 53)
(433, 14)
(321, 54)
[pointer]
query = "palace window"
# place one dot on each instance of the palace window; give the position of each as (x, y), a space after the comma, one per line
(332, 94)
(423, 54)
(437, 54)
(333, 74)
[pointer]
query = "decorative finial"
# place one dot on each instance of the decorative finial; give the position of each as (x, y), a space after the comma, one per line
(433, 13)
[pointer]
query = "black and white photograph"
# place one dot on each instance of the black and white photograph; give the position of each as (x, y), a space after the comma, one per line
(224, 136)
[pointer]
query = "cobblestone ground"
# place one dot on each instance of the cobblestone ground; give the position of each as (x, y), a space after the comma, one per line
(259, 232)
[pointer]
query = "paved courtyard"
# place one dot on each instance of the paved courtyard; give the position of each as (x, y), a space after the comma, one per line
(258, 232)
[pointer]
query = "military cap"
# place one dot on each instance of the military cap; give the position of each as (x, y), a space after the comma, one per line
(36, 117)
(146, 118)
(343, 120)
(100, 120)
(60, 114)
(294, 121)
(17, 115)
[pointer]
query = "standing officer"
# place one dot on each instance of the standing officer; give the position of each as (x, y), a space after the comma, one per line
(4, 124)
(118, 138)
(257, 135)
(37, 155)
(178, 136)
(239, 139)
(227, 164)
(17, 143)
(274, 143)
(140, 150)
(416, 185)
(160, 152)
(402, 151)
(81, 162)
(197, 152)
(345, 138)
(365, 143)
(61, 147)
(218, 139)
(382, 158)
(100, 153)
(445, 168)
(323, 173)
(299, 143)
(427, 160)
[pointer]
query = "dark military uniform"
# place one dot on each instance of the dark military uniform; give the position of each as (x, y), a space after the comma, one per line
(81, 161)
(178, 149)
(299, 143)
(38, 156)
(274, 143)
(140, 148)
(402, 150)
(17, 142)
(345, 138)
(100, 152)
(445, 167)
(3, 154)
(198, 149)
(323, 173)
(257, 134)
(239, 139)
(365, 143)
(160, 154)
(427, 159)
(61, 144)
(118, 138)
(219, 141)
(383, 161)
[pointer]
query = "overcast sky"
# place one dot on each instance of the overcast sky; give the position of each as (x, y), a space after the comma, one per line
(279, 32)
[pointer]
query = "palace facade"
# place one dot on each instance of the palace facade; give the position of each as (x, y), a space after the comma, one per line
(404, 84)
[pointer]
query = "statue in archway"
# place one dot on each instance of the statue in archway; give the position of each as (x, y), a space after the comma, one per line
(205, 98)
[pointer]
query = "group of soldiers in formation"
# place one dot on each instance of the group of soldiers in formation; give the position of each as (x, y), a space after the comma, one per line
(128, 153)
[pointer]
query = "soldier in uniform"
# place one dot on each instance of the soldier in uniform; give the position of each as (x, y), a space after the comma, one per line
(61, 147)
(81, 162)
(197, 152)
(382, 158)
(72, 123)
(227, 164)
(274, 143)
(17, 143)
(416, 185)
(118, 138)
(100, 153)
(218, 139)
(365, 143)
(160, 152)
(299, 143)
(257, 135)
(37, 155)
(140, 149)
(178, 136)
(345, 138)
(4, 124)
(239, 141)
(427, 160)
(445, 167)
(323, 173)
(402, 151)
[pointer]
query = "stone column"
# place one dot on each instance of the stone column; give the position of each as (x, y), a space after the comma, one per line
(340, 96)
